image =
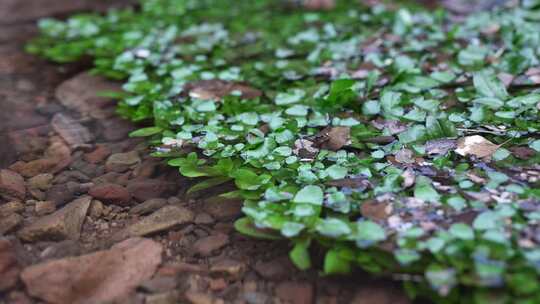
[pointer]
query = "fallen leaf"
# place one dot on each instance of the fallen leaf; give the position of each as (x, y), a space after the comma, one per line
(405, 156)
(440, 146)
(409, 177)
(475, 145)
(333, 138)
(358, 183)
(305, 149)
(375, 211)
(522, 152)
(394, 126)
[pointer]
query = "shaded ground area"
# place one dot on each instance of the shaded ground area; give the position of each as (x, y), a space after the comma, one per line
(87, 217)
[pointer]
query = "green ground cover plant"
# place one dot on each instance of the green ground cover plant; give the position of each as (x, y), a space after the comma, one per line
(403, 141)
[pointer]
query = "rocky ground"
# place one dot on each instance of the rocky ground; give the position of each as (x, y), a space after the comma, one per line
(86, 216)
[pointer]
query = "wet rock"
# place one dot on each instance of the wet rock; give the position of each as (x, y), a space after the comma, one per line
(41, 181)
(148, 206)
(112, 177)
(98, 155)
(121, 162)
(9, 223)
(10, 208)
(296, 292)
(111, 194)
(100, 277)
(64, 224)
(9, 268)
(45, 207)
(35, 167)
(143, 190)
(11, 185)
(207, 245)
(75, 134)
(163, 219)
(80, 92)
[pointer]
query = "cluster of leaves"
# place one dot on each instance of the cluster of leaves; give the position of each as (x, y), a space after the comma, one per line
(402, 141)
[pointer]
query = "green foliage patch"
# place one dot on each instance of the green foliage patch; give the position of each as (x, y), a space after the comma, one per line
(403, 141)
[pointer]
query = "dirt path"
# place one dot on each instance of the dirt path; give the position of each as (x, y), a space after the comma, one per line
(87, 217)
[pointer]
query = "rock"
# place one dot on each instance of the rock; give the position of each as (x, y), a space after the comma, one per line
(204, 219)
(9, 268)
(35, 167)
(232, 267)
(99, 277)
(223, 210)
(64, 224)
(121, 162)
(207, 245)
(9, 223)
(116, 129)
(111, 194)
(159, 284)
(41, 181)
(378, 293)
(98, 155)
(45, 207)
(170, 297)
(143, 190)
(61, 250)
(11, 185)
(296, 292)
(75, 134)
(276, 269)
(80, 92)
(60, 194)
(10, 207)
(148, 206)
(96, 209)
(163, 219)
(201, 298)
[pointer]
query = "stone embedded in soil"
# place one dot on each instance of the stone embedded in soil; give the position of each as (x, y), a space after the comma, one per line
(146, 189)
(275, 269)
(111, 194)
(75, 134)
(121, 162)
(64, 224)
(100, 277)
(379, 293)
(163, 219)
(11, 185)
(296, 292)
(231, 267)
(208, 245)
(223, 210)
(148, 206)
(9, 223)
(9, 268)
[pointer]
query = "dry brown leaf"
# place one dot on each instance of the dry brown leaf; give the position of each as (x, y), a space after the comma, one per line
(475, 145)
(334, 138)
(375, 211)
(440, 146)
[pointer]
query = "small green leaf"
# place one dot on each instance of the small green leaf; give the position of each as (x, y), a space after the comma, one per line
(335, 264)
(300, 254)
(309, 195)
(245, 226)
(144, 132)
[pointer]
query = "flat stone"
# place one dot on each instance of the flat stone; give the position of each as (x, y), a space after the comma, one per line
(98, 155)
(163, 219)
(223, 209)
(75, 134)
(121, 162)
(100, 277)
(276, 269)
(64, 224)
(80, 92)
(45, 207)
(9, 268)
(11, 185)
(208, 245)
(229, 266)
(9, 223)
(148, 206)
(35, 167)
(111, 193)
